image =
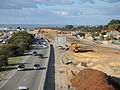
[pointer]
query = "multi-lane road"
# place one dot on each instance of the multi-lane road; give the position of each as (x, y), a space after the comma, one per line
(34, 79)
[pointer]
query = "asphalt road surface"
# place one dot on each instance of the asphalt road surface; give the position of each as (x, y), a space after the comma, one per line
(29, 77)
(50, 77)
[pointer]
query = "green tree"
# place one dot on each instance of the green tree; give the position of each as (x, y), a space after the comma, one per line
(107, 38)
(99, 28)
(115, 26)
(112, 37)
(105, 27)
(69, 27)
(102, 37)
(93, 34)
(21, 37)
(119, 39)
(9, 50)
(103, 33)
(3, 60)
(93, 30)
(24, 46)
(19, 28)
(114, 21)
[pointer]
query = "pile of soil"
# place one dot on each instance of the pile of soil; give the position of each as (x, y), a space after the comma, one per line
(89, 79)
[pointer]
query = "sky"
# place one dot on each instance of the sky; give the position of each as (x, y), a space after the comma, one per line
(59, 12)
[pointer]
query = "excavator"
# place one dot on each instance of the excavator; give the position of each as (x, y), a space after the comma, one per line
(75, 47)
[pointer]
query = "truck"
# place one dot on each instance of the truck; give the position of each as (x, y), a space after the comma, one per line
(75, 47)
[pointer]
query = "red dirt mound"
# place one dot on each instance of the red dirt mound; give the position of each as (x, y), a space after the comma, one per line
(89, 79)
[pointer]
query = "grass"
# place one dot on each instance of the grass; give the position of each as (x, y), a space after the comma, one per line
(13, 62)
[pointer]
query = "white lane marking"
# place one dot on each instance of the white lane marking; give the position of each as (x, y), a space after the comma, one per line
(8, 79)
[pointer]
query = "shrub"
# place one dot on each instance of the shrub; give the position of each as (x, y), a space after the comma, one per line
(102, 37)
(3, 60)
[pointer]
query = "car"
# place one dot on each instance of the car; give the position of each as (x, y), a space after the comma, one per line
(34, 53)
(45, 46)
(21, 67)
(3, 42)
(40, 56)
(60, 47)
(23, 88)
(36, 66)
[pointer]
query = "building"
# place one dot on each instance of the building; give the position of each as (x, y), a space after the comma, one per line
(118, 36)
(110, 32)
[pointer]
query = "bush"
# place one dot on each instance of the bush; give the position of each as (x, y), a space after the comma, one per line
(102, 37)
(3, 60)
(107, 38)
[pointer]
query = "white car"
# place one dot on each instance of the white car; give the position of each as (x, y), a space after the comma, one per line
(36, 66)
(3, 42)
(21, 67)
(23, 88)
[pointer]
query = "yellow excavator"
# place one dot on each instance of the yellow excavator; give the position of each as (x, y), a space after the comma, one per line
(75, 47)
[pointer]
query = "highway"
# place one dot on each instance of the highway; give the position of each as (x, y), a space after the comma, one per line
(34, 79)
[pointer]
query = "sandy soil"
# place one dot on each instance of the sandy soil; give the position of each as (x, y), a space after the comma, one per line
(100, 58)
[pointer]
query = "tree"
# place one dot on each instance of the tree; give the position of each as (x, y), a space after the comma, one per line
(80, 28)
(112, 37)
(119, 39)
(21, 37)
(107, 38)
(93, 30)
(99, 28)
(9, 50)
(3, 60)
(105, 27)
(103, 33)
(115, 26)
(114, 21)
(19, 28)
(93, 34)
(102, 37)
(69, 27)
(24, 46)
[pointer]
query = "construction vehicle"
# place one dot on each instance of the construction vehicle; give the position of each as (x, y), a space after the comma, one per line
(75, 47)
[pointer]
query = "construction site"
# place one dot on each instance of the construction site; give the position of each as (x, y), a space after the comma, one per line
(82, 65)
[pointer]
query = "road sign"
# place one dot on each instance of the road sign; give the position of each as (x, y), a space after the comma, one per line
(60, 40)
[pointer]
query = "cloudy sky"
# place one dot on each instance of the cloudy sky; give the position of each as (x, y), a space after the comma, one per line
(59, 12)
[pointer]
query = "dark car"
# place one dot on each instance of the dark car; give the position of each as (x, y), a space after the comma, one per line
(34, 53)
(40, 56)
(36, 66)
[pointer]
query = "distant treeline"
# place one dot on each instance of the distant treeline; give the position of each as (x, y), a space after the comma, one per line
(16, 46)
(113, 24)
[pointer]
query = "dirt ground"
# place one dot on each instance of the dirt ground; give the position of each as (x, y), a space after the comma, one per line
(90, 79)
(104, 59)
